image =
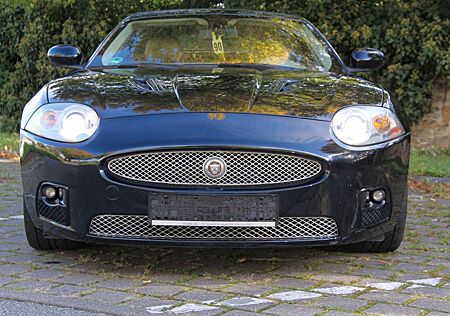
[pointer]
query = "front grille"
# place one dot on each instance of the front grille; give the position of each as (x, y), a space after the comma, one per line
(57, 213)
(187, 168)
(138, 226)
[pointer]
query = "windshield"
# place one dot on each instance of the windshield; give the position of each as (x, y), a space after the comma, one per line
(215, 39)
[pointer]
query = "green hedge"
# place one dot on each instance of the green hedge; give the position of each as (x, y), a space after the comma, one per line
(413, 34)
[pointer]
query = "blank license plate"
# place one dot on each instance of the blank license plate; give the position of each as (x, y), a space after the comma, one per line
(213, 210)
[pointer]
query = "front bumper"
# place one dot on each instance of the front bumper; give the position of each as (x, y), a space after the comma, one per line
(335, 195)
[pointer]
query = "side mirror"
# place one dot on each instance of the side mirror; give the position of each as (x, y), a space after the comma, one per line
(65, 56)
(366, 59)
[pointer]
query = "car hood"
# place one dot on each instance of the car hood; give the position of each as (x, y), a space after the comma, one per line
(122, 92)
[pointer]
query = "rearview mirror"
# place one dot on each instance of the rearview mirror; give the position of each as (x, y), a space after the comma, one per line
(65, 56)
(366, 59)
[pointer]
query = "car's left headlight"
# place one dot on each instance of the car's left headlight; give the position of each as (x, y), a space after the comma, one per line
(65, 122)
(363, 125)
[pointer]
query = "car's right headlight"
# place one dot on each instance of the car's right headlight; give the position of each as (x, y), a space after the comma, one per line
(65, 122)
(363, 125)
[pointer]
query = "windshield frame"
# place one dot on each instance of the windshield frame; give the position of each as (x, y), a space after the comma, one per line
(195, 13)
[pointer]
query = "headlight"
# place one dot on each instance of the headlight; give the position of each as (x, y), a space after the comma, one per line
(363, 125)
(65, 122)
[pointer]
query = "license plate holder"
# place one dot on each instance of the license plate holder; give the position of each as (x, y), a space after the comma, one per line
(213, 209)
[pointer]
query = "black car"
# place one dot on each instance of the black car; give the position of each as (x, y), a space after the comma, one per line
(214, 128)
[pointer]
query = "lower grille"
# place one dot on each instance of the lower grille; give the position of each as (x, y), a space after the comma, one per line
(57, 213)
(137, 226)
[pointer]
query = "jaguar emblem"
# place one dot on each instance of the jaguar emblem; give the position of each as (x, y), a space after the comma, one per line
(214, 168)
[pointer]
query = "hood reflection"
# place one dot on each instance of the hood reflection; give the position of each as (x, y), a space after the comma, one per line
(123, 92)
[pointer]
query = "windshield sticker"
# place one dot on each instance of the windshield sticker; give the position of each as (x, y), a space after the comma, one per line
(217, 44)
(115, 60)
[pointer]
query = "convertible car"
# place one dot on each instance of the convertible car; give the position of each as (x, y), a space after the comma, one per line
(214, 128)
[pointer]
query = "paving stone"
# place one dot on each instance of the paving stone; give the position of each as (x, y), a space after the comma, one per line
(338, 313)
(119, 284)
(44, 274)
(247, 303)
(428, 281)
(293, 310)
(339, 290)
(80, 279)
(335, 277)
(21, 258)
(13, 269)
(294, 296)
(241, 313)
(389, 297)
(195, 309)
(69, 290)
(294, 271)
(339, 302)
(6, 280)
(249, 289)
(150, 302)
(201, 296)
(334, 267)
(9, 246)
(428, 291)
(159, 277)
(439, 262)
(432, 313)
(384, 285)
(154, 289)
(297, 284)
(430, 304)
(375, 273)
(32, 285)
(209, 283)
(391, 310)
(412, 267)
(110, 296)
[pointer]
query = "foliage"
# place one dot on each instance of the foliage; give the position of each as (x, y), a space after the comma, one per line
(9, 143)
(414, 35)
(431, 163)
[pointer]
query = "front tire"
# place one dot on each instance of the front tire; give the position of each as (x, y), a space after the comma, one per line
(36, 239)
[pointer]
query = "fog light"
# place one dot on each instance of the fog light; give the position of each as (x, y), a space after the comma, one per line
(378, 195)
(50, 193)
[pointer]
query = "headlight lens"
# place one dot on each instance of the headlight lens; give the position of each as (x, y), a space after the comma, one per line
(65, 122)
(363, 125)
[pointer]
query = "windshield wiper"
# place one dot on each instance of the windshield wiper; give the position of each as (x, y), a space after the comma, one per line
(257, 66)
(182, 66)
(112, 67)
(131, 66)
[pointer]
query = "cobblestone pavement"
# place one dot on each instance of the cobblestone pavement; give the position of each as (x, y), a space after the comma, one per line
(130, 280)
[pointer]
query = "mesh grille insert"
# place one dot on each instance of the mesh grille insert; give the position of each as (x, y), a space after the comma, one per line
(137, 226)
(186, 168)
(57, 213)
(376, 215)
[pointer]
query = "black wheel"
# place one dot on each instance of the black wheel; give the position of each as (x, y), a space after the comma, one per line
(36, 238)
(392, 239)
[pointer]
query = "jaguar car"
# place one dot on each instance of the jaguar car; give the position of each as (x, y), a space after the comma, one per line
(214, 128)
